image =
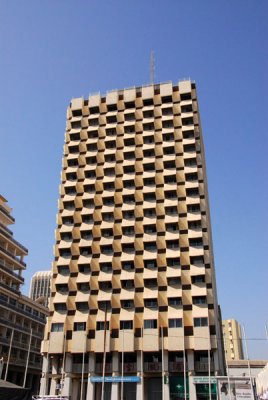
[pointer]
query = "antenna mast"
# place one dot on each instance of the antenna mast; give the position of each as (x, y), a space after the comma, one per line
(152, 67)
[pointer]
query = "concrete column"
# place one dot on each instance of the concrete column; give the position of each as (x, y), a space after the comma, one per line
(215, 357)
(44, 379)
(67, 384)
(115, 362)
(115, 385)
(140, 385)
(192, 389)
(166, 385)
(190, 359)
(91, 363)
(90, 389)
(75, 389)
(54, 361)
(115, 391)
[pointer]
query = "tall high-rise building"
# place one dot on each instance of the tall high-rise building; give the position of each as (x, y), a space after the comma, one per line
(22, 320)
(133, 287)
(232, 335)
(40, 287)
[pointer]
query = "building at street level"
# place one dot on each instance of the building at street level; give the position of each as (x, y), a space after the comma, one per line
(40, 287)
(233, 345)
(22, 320)
(133, 284)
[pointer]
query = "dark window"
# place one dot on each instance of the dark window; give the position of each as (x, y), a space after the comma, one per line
(149, 182)
(150, 246)
(149, 196)
(110, 145)
(70, 190)
(150, 324)
(148, 102)
(94, 110)
(171, 210)
(175, 323)
(172, 227)
(129, 156)
(169, 164)
(194, 224)
(85, 251)
(127, 284)
(128, 247)
(168, 137)
(148, 139)
(129, 142)
(66, 253)
(166, 99)
(199, 322)
(109, 172)
(174, 281)
(192, 192)
(129, 117)
(60, 307)
(92, 147)
(79, 326)
(150, 283)
(111, 132)
(174, 301)
(63, 270)
(107, 232)
(150, 303)
(199, 299)
(128, 265)
(111, 119)
(196, 242)
(93, 122)
(126, 325)
(128, 230)
(87, 219)
(90, 174)
(187, 121)
(148, 114)
(89, 188)
(69, 205)
(188, 134)
(168, 124)
(127, 304)
(73, 162)
(150, 264)
(149, 229)
(197, 260)
(129, 214)
(92, 134)
(149, 212)
(173, 262)
(190, 162)
(108, 201)
(84, 268)
(129, 184)
(106, 267)
(101, 325)
(198, 279)
(172, 244)
(129, 129)
(191, 177)
(193, 208)
(57, 327)
(107, 249)
(87, 235)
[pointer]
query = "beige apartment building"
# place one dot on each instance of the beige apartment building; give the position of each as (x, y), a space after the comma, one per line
(22, 320)
(134, 311)
(232, 335)
(40, 287)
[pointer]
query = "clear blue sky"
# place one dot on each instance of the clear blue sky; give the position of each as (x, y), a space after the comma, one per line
(52, 51)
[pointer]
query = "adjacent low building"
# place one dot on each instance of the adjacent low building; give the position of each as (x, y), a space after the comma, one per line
(22, 320)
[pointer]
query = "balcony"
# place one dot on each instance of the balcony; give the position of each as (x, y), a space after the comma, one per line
(15, 258)
(108, 368)
(2, 209)
(129, 368)
(11, 272)
(176, 366)
(7, 287)
(23, 312)
(152, 367)
(8, 234)
(202, 366)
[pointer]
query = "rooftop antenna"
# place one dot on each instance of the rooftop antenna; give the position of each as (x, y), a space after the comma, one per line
(152, 67)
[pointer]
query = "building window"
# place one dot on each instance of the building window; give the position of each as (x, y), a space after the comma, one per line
(79, 326)
(150, 324)
(149, 229)
(127, 284)
(128, 265)
(174, 301)
(150, 246)
(102, 325)
(57, 327)
(150, 303)
(175, 323)
(128, 231)
(199, 300)
(60, 307)
(127, 304)
(150, 264)
(125, 325)
(200, 322)
(82, 306)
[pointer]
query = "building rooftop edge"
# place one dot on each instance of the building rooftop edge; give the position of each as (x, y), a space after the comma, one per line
(134, 87)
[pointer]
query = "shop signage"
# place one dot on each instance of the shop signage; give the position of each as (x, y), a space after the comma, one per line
(115, 379)
(204, 379)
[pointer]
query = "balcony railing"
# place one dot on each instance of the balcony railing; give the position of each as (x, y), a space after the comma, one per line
(13, 256)
(18, 344)
(7, 287)
(176, 366)
(152, 366)
(3, 232)
(20, 311)
(129, 367)
(19, 327)
(7, 214)
(11, 272)
(108, 368)
(201, 366)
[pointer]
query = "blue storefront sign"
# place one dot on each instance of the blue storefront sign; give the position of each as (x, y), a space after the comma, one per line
(115, 379)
